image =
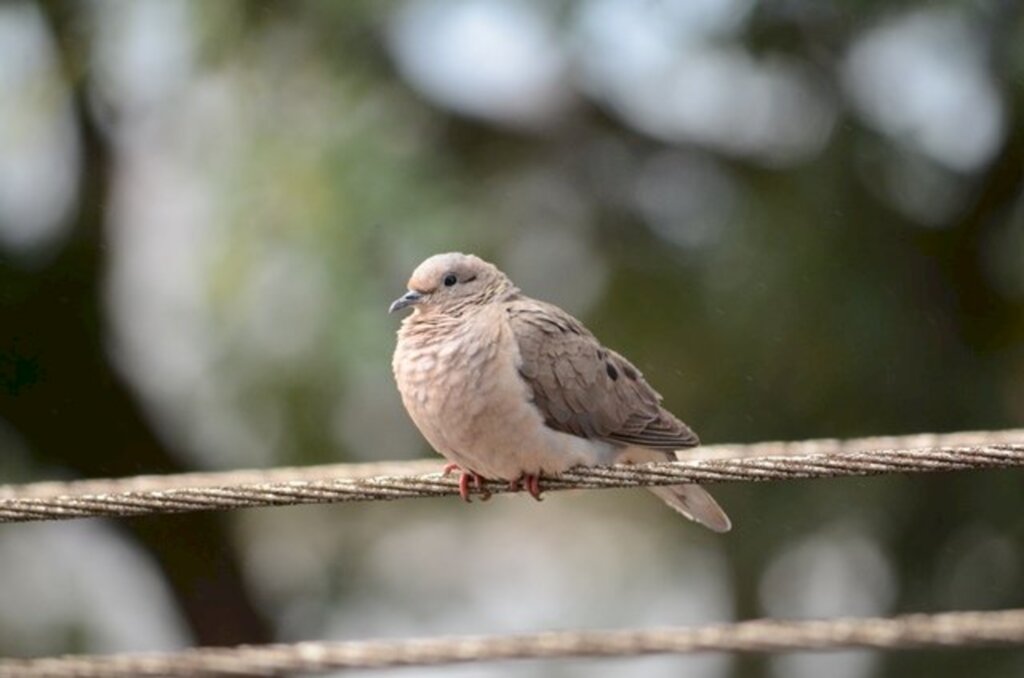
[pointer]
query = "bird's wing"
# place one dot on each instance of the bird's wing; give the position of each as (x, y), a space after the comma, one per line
(585, 389)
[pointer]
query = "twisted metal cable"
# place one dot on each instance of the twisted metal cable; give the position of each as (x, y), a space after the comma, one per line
(759, 462)
(932, 631)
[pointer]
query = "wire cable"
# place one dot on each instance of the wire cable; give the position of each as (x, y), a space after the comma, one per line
(758, 462)
(931, 631)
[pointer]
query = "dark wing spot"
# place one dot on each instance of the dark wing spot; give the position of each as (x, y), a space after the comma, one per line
(629, 372)
(612, 372)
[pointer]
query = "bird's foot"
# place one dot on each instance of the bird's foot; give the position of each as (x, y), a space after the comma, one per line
(465, 478)
(531, 481)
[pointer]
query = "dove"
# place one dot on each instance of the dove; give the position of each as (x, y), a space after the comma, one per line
(507, 387)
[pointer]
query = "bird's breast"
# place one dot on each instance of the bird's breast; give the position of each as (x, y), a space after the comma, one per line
(463, 390)
(432, 371)
(447, 380)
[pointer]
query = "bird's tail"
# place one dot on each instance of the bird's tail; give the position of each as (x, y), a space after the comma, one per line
(693, 501)
(696, 503)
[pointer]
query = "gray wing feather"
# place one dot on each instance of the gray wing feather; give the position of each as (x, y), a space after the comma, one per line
(585, 389)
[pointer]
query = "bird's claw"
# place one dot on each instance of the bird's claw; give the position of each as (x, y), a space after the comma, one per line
(464, 482)
(467, 479)
(531, 481)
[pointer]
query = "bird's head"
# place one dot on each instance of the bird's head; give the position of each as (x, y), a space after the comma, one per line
(451, 283)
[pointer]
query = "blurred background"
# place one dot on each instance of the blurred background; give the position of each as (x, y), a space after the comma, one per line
(799, 218)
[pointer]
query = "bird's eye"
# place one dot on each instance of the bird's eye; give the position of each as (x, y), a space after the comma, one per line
(450, 280)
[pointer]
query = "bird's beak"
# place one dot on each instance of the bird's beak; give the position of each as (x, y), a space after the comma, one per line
(410, 298)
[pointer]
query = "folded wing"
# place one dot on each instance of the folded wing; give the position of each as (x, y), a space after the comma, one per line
(585, 389)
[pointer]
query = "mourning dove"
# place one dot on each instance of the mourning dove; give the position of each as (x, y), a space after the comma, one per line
(508, 387)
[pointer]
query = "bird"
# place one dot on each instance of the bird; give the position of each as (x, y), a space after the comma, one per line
(507, 387)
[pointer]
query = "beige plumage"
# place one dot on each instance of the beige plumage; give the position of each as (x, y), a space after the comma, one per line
(508, 387)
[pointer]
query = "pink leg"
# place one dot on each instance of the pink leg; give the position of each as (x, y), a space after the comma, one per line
(533, 485)
(464, 487)
(464, 479)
